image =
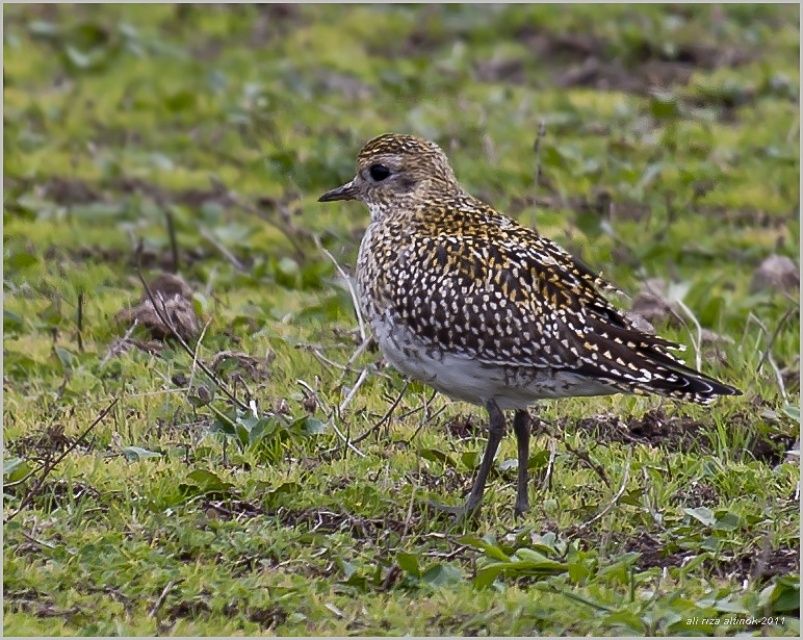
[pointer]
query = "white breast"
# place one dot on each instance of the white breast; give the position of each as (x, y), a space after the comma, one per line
(465, 378)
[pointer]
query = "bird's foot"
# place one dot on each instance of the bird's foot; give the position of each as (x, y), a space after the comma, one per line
(458, 514)
(521, 508)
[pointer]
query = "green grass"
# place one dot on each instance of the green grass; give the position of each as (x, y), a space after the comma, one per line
(178, 515)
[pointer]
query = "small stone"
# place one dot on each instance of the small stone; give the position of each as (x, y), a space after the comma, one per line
(708, 337)
(640, 322)
(282, 407)
(776, 273)
(793, 453)
(175, 311)
(651, 304)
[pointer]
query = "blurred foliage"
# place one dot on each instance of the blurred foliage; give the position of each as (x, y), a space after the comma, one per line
(671, 151)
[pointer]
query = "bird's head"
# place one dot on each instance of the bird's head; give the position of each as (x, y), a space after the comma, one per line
(394, 170)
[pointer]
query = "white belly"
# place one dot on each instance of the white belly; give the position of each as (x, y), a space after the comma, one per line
(464, 378)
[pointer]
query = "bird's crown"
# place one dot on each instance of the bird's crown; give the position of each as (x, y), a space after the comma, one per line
(401, 145)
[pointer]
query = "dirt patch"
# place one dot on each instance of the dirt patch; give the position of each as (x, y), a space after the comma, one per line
(41, 445)
(124, 344)
(348, 86)
(232, 364)
(791, 375)
(208, 50)
(114, 593)
(70, 191)
(654, 553)
(653, 305)
(422, 41)
(267, 617)
(654, 428)
(449, 481)
(771, 450)
(679, 433)
(725, 100)
(445, 625)
(698, 494)
(52, 495)
(192, 197)
(772, 562)
(600, 203)
(602, 75)
(114, 136)
(91, 253)
(189, 609)
(463, 427)
(44, 608)
(584, 60)
(510, 70)
(746, 217)
(761, 566)
(270, 20)
(561, 46)
(231, 510)
(73, 191)
(141, 257)
(278, 212)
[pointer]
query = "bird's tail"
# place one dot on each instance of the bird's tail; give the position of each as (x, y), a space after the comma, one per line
(635, 362)
(684, 383)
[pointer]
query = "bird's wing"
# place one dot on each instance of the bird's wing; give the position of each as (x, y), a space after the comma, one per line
(506, 296)
(604, 342)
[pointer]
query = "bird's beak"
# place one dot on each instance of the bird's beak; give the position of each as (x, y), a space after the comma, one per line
(347, 191)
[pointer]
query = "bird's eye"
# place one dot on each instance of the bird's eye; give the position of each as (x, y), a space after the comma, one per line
(379, 172)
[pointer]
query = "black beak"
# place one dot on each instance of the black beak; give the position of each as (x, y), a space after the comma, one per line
(346, 192)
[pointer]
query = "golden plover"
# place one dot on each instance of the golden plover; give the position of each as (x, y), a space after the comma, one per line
(488, 311)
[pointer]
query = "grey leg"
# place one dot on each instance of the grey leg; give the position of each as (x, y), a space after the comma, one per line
(496, 429)
(521, 427)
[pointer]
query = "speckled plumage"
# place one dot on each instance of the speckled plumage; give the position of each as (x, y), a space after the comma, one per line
(463, 280)
(484, 309)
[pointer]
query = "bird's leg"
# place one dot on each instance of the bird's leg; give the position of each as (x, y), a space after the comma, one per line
(496, 429)
(521, 427)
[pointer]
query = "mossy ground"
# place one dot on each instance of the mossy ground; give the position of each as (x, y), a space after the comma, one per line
(178, 516)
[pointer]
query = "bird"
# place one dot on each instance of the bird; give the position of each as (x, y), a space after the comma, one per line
(488, 311)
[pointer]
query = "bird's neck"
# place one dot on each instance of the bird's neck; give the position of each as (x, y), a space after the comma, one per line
(425, 196)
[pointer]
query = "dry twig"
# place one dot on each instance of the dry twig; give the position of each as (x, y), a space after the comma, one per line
(354, 299)
(537, 149)
(698, 343)
(614, 501)
(162, 596)
(80, 321)
(585, 457)
(385, 417)
(765, 356)
(553, 451)
(48, 467)
(163, 317)
(210, 238)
